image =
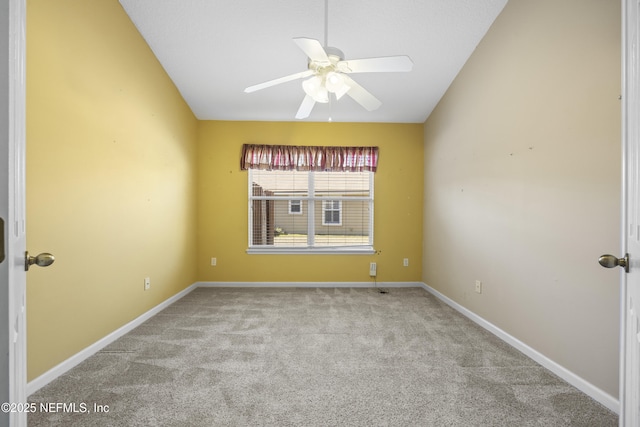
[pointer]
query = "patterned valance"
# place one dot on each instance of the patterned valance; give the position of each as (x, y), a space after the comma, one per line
(305, 158)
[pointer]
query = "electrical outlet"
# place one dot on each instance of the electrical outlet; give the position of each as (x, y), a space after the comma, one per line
(147, 283)
(405, 262)
(478, 286)
(373, 269)
(214, 262)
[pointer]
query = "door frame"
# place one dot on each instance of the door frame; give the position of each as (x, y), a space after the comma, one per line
(13, 357)
(630, 72)
(5, 331)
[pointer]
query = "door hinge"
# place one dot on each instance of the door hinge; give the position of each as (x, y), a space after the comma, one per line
(2, 255)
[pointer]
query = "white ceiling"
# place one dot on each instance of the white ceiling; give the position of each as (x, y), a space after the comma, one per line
(213, 49)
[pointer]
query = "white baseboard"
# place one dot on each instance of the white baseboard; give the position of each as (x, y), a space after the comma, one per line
(53, 373)
(580, 383)
(308, 284)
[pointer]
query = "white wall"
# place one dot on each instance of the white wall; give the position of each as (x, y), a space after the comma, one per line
(522, 182)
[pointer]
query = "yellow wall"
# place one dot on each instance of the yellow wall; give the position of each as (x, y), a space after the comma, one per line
(222, 203)
(111, 185)
(522, 182)
(110, 177)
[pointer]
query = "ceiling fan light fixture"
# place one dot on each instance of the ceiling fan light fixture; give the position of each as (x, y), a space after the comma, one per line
(315, 89)
(334, 82)
(322, 96)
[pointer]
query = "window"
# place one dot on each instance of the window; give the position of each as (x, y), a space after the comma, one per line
(331, 212)
(310, 199)
(310, 211)
(295, 207)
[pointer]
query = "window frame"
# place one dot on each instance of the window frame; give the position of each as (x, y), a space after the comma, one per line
(299, 203)
(311, 199)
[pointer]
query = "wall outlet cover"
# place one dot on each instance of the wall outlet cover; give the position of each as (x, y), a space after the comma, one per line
(478, 286)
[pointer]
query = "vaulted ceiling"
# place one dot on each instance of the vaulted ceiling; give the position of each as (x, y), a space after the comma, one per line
(214, 49)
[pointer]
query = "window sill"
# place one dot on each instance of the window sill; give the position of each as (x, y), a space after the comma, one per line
(364, 250)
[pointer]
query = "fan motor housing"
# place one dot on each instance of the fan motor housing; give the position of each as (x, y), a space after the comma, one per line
(335, 55)
(334, 52)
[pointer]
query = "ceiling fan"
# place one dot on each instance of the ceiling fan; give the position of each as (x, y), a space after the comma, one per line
(328, 74)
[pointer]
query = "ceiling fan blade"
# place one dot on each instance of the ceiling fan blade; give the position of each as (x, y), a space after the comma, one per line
(305, 107)
(386, 64)
(278, 81)
(361, 95)
(313, 49)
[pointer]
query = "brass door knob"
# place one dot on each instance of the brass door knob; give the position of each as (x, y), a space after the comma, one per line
(610, 261)
(42, 260)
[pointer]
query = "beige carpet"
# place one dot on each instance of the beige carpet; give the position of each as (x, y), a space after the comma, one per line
(313, 357)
